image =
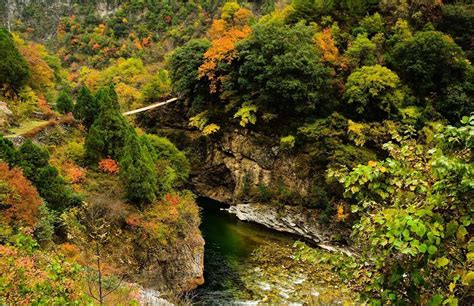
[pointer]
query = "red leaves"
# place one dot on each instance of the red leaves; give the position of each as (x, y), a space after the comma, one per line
(108, 165)
(19, 199)
(172, 199)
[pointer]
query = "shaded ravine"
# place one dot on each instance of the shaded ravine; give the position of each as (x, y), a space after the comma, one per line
(249, 264)
(228, 250)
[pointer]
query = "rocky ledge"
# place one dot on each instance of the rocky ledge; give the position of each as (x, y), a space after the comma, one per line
(294, 220)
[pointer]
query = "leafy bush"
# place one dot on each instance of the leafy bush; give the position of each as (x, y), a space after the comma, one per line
(414, 209)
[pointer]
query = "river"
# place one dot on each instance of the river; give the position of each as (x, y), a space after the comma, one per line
(247, 263)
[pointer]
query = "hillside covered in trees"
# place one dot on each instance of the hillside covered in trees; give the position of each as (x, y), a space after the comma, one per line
(359, 113)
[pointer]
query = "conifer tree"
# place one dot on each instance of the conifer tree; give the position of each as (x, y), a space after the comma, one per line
(14, 70)
(64, 103)
(87, 107)
(138, 173)
(110, 132)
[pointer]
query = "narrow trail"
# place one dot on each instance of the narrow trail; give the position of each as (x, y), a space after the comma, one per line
(151, 106)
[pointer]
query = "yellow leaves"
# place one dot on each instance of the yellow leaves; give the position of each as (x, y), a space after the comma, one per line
(128, 95)
(325, 42)
(42, 76)
(355, 131)
(372, 163)
(200, 121)
(246, 114)
(101, 29)
(341, 215)
(210, 129)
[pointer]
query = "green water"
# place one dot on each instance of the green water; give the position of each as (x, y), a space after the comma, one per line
(228, 252)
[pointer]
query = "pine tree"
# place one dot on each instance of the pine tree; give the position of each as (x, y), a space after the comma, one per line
(14, 70)
(110, 132)
(87, 107)
(64, 103)
(138, 173)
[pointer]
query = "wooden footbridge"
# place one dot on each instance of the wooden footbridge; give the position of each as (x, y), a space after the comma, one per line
(151, 106)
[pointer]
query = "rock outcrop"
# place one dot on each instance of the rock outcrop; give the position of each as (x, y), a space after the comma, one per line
(241, 161)
(6, 116)
(180, 267)
(230, 167)
(294, 220)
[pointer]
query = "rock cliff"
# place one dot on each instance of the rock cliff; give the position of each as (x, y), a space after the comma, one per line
(231, 166)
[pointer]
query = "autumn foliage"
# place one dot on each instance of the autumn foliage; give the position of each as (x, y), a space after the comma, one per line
(224, 35)
(19, 200)
(108, 165)
(325, 42)
(73, 172)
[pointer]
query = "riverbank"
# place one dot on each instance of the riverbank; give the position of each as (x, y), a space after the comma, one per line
(296, 220)
(247, 263)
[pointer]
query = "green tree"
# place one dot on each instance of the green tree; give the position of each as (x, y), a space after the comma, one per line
(184, 64)
(458, 21)
(279, 71)
(14, 70)
(429, 62)
(374, 91)
(416, 219)
(87, 107)
(362, 51)
(8, 153)
(310, 10)
(64, 103)
(172, 165)
(110, 132)
(138, 173)
(372, 24)
(53, 188)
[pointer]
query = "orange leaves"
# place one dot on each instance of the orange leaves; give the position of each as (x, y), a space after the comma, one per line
(44, 106)
(341, 214)
(224, 34)
(73, 172)
(108, 165)
(172, 199)
(146, 42)
(325, 42)
(20, 201)
(41, 74)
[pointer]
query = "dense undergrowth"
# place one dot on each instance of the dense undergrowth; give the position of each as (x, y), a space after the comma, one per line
(377, 94)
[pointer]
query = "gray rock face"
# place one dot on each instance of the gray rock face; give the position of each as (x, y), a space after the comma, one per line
(242, 161)
(178, 267)
(48, 12)
(6, 115)
(291, 219)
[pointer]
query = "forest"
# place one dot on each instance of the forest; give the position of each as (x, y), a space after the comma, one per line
(358, 113)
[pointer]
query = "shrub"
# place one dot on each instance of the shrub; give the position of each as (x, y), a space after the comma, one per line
(108, 165)
(19, 200)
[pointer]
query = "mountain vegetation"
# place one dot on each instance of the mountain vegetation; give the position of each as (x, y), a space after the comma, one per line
(378, 94)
